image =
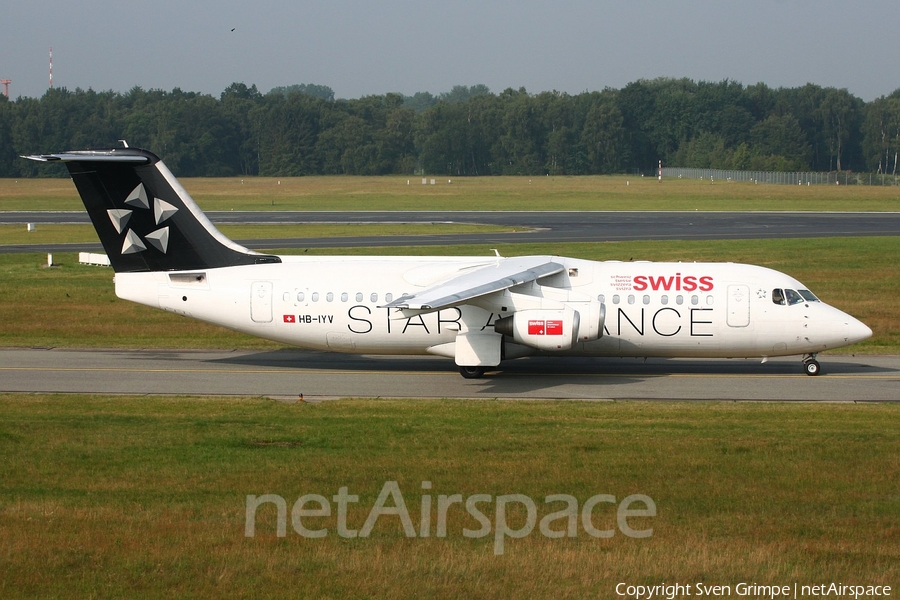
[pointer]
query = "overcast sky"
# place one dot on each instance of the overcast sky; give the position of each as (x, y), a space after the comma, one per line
(360, 48)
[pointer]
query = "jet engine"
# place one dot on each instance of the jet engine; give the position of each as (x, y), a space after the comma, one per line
(542, 328)
(553, 329)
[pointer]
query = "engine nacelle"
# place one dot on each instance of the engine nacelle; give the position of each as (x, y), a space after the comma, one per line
(593, 318)
(545, 329)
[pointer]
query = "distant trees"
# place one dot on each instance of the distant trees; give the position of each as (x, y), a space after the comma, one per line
(322, 92)
(303, 129)
(881, 134)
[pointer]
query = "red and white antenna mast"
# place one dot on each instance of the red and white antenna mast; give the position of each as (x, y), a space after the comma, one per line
(51, 67)
(5, 83)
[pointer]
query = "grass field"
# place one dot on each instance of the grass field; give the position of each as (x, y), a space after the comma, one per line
(618, 192)
(145, 497)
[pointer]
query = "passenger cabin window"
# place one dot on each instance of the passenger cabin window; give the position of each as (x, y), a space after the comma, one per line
(793, 297)
(615, 298)
(315, 296)
(388, 297)
(664, 299)
(329, 297)
(374, 297)
(300, 296)
(359, 296)
(778, 296)
(344, 297)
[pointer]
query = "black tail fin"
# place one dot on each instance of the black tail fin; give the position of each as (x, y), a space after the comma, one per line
(145, 219)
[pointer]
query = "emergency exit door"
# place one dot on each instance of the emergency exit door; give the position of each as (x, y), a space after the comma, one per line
(738, 306)
(261, 301)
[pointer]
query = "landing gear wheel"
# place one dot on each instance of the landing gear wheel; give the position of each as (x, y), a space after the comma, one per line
(812, 367)
(472, 372)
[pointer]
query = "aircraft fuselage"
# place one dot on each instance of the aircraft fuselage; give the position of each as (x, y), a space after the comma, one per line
(651, 309)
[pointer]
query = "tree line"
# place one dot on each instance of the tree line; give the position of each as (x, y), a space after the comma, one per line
(304, 130)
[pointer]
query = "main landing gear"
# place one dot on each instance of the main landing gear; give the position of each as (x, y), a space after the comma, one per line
(472, 372)
(811, 365)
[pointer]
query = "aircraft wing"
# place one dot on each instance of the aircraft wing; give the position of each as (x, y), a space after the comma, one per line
(495, 277)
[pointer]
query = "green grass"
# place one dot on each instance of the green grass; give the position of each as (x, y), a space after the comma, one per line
(145, 497)
(75, 305)
(619, 192)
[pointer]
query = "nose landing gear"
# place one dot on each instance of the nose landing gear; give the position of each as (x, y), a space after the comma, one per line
(811, 365)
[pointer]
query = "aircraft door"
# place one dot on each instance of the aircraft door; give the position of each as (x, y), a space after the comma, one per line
(738, 306)
(261, 301)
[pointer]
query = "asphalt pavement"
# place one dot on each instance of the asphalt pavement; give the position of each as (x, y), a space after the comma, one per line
(286, 374)
(536, 226)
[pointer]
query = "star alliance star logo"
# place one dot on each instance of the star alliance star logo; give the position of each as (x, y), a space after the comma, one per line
(162, 211)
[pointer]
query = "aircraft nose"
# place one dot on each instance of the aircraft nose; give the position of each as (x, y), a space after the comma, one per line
(855, 330)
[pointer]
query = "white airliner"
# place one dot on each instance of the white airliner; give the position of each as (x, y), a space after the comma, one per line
(477, 311)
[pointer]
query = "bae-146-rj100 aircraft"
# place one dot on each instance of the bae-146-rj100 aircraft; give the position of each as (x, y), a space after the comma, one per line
(477, 311)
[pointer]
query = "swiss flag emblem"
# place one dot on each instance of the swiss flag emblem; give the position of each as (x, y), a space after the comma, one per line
(554, 328)
(536, 327)
(290, 319)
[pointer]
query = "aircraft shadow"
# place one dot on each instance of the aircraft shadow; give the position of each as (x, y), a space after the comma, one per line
(551, 366)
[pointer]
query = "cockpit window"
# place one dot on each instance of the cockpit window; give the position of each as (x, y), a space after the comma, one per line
(793, 297)
(778, 296)
(808, 296)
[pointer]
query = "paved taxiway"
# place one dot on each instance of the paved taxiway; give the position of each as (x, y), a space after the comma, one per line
(318, 375)
(539, 226)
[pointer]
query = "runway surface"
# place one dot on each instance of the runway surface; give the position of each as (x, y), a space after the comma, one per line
(541, 226)
(288, 373)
